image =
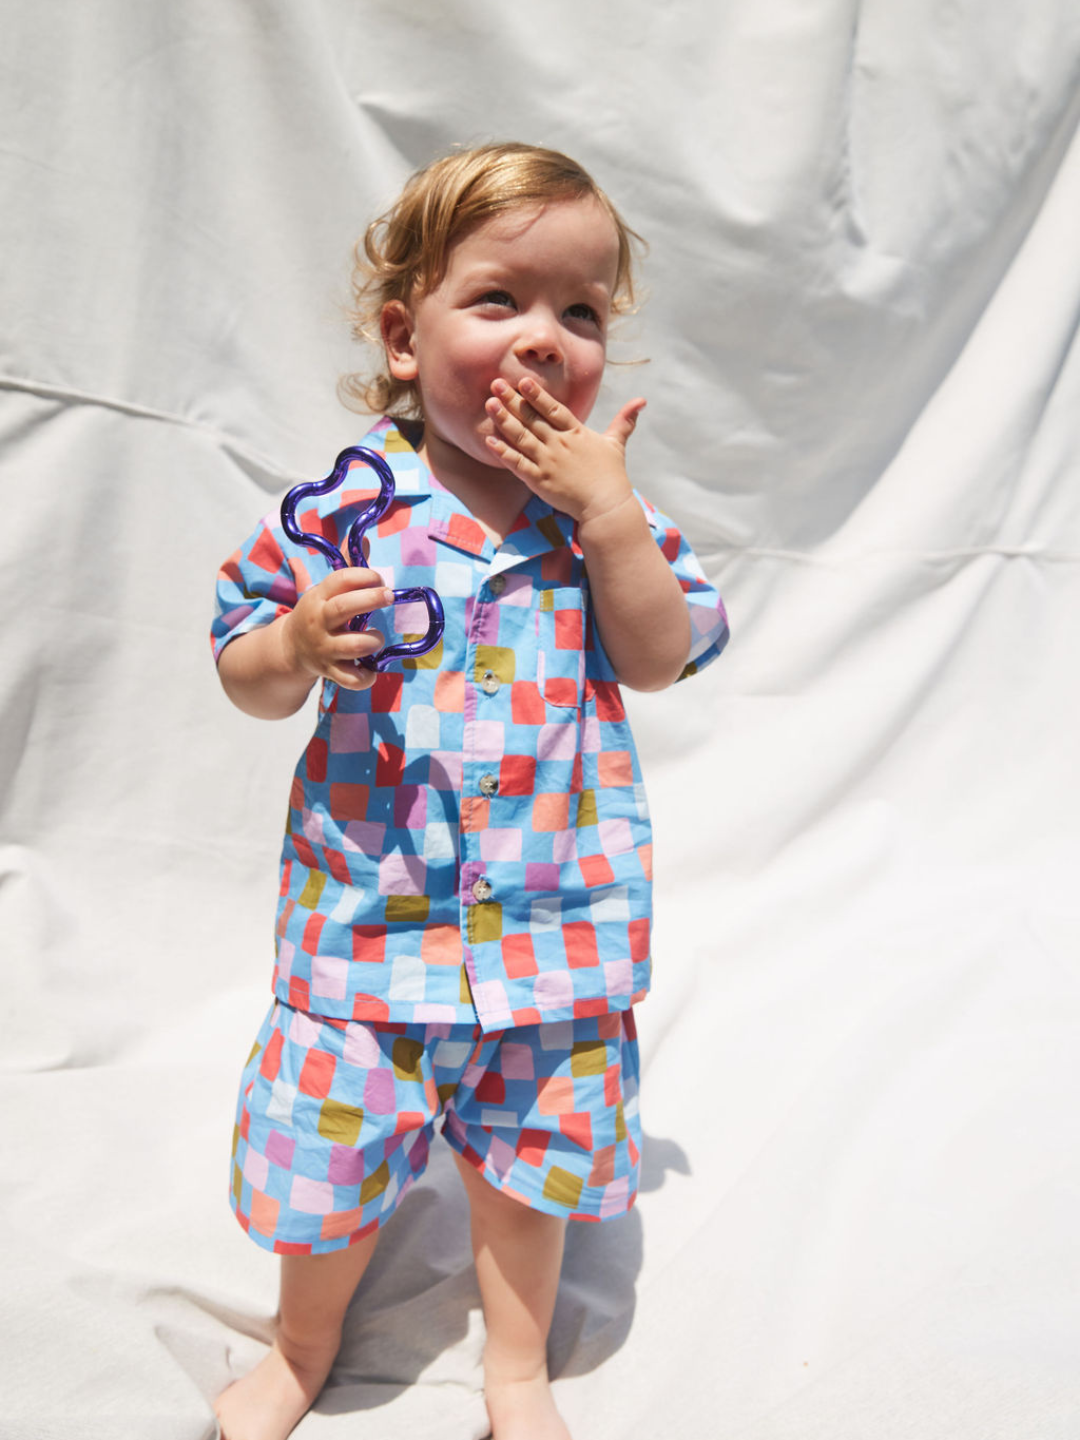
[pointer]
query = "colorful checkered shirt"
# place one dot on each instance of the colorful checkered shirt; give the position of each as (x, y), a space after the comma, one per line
(468, 840)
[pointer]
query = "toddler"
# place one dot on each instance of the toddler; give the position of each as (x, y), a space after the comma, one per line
(463, 925)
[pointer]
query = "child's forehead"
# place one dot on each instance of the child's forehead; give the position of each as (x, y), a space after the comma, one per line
(535, 230)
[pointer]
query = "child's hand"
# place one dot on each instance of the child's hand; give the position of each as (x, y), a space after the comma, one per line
(316, 640)
(573, 468)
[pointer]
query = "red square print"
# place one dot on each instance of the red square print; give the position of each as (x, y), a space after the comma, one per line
(370, 1008)
(304, 853)
(532, 1146)
(299, 994)
(391, 764)
(348, 802)
(369, 943)
(517, 775)
(338, 866)
(385, 695)
(589, 1009)
(578, 1128)
(491, 1089)
(395, 519)
(518, 956)
(638, 931)
(316, 754)
(568, 629)
(312, 930)
(266, 553)
(271, 1056)
(317, 1074)
(560, 690)
(596, 870)
(526, 703)
(579, 937)
(609, 704)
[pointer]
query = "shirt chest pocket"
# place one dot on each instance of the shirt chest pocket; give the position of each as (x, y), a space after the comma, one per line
(560, 620)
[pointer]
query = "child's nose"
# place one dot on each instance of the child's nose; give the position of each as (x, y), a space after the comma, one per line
(539, 342)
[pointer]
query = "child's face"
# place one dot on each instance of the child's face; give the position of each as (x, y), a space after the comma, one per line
(526, 293)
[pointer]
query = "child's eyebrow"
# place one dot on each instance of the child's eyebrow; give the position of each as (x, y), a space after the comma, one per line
(505, 272)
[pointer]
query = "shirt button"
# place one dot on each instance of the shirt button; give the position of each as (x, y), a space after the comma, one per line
(482, 889)
(488, 784)
(497, 584)
(490, 682)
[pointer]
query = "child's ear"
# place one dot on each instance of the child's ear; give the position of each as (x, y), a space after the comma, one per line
(396, 327)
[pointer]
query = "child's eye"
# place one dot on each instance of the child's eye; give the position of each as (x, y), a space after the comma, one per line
(497, 297)
(583, 312)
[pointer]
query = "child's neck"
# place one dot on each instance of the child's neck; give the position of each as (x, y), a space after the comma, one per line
(493, 496)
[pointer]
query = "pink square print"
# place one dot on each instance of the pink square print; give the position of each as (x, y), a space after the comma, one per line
(557, 742)
(417, 548)
(516, 1061)
(500, 844)
(500, 1157)
(349, 733)
(402, 874)
(328, 976)
(616, 837)
(361, 1046)
(444, 770)
(541, 877)
(311, 1197)
(488, 739)
(553, 989)
(365, 835)
(256, 1169)
(410, 807)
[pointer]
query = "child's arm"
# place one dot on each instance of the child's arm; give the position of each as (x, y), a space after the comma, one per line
(269, 672)
(640, 608)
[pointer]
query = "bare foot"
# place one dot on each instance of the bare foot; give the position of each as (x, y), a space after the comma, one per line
(523, 1410)
(270, 1401)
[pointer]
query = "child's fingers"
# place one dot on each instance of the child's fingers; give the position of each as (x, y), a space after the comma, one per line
(513, 430)
(350, 648)
(546, 406)
(340, 609)
(622, 427)
(511, 458)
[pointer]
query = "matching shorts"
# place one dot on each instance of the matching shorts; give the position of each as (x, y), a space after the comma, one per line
(335, 1118)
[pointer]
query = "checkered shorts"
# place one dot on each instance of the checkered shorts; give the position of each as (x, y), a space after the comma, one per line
(335, 1119)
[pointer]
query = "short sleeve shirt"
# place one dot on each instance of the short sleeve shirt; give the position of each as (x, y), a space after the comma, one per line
(468, 840)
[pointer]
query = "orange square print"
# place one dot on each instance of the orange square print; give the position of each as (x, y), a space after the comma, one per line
(450, 691)
(441, 945)
(551, 812)
(556, 1095)
(616, 767)
(264, 1212)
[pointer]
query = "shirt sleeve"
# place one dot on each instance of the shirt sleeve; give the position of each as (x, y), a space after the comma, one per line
(256, 584)
(708, 618)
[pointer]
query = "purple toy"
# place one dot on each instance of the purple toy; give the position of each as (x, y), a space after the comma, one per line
(368, 517)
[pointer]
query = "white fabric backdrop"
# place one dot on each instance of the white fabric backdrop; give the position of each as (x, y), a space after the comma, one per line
(862, 1177)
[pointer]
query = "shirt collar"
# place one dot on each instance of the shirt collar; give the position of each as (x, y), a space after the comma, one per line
(538, 530)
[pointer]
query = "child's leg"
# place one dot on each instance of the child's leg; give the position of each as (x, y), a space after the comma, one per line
(269, 1402)
(518, 1254)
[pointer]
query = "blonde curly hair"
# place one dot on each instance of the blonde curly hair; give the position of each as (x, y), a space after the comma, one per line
(406, 250)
